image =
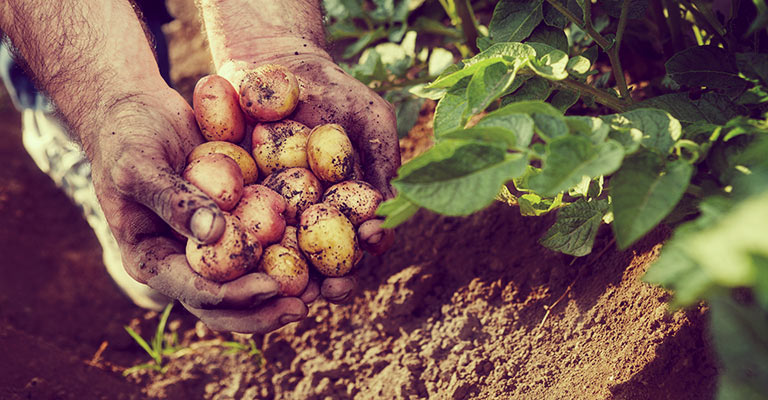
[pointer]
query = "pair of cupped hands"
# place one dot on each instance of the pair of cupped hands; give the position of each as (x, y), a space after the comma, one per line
(139, 156)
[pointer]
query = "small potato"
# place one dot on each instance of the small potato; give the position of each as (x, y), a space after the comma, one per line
(269, 92)
(329, 240)
(242, 158)
(261, 210)
(219, 177)
(279, 145)
(233, 255)
(329, 153)
(357, 200)
(288, 267)
(217, 109)
(290, 237)
(300, 189)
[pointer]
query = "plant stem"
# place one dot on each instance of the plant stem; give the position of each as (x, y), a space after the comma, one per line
(468, 24)
(600, 96)
(613, 53)
(587, 27)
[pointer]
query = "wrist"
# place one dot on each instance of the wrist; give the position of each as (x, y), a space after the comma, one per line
(262, 31)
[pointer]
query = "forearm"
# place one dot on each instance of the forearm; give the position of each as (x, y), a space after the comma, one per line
(87, 56)
(258, 30)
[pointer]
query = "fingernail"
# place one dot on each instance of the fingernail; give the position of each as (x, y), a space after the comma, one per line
(264, 296)
(288, 318)
(375, 238)
(339, 299)
(203, 224)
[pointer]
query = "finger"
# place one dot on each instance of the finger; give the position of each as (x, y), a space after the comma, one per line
(179, 203)
(311, 293)
(373, 238)
(160, 263)
(263, 319)
(338, 290)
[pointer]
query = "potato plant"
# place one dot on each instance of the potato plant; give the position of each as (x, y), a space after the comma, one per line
(539, 113)
(275, 221)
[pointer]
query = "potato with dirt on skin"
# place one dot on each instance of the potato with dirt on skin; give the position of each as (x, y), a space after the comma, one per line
(269, 92)
(279, 145)
(218, 176)
(329, 240)
(288, 267)
(261, 210)
(357, 200)
(290, 237)
(217, 109)
(330, 153)
(299, 187)
(233, 255)
(242, 158)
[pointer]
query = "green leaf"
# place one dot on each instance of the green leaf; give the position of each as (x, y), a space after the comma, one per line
(514, 20)
(710, 107)
(515, 55)
(549, 126)
(576, 227)
(592, 127)
(499, 135)
(364, 41)
(420, 90)
(450, 109)
(536, 88)
(706, 66)
(458, 177)
(578, 66)
(439, 60)
(753, 65)
(397, 211)
(549, 62)
(644, 191)
(563, 99)
(676, 271)
(521, 125)
(532, 204)
(550, 36)
(552, 17)
(407, 113)
(660, 130)
(342, 9)
(569, 158)
(487, 85)
(740, 334)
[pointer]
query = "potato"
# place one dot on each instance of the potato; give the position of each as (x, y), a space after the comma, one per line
(288, 267)
(269, 92)
(233, 255)
(357, 200)
(329, 153)
(290, 237)
(242, 158)
(261, 210)
(328, 239)
(217, 109)
(280, 145)
(299, 187)
(219, 177)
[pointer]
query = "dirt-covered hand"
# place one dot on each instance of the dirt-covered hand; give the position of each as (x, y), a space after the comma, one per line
(137, 158)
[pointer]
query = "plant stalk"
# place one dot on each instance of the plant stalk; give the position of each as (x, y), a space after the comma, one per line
(613, 53)
(468, 24)
(600, 96)
(587, 27)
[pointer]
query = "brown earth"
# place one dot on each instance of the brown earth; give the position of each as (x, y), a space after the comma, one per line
(460, 308)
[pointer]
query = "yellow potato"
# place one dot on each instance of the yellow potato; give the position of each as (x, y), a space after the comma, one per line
(269, 92)
(217, 109)
(288, 267)
(357, 200)
(299, 187)
(330, 153)
(279, 145)
(242, 158)
(233, 255)
(329, 240)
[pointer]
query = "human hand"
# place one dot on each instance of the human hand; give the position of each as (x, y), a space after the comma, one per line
(137, 157)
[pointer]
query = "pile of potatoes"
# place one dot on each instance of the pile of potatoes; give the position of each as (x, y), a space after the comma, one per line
(287, 190)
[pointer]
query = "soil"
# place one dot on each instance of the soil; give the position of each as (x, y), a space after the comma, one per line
(459, 308)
